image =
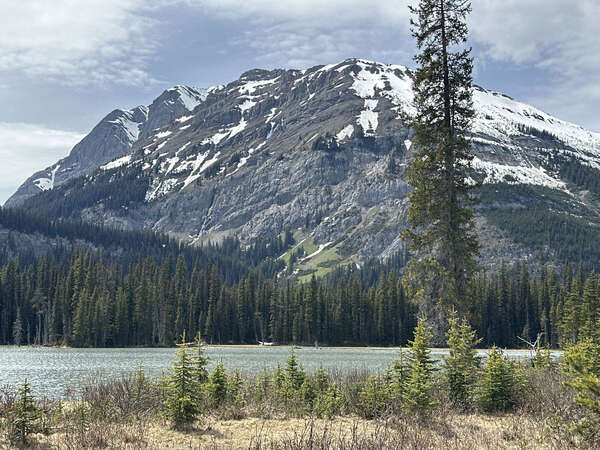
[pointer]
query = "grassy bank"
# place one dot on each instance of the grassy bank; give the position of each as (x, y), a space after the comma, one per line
(253, 414)
(455, 431)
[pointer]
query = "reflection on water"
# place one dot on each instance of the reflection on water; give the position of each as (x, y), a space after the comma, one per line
(52, 372)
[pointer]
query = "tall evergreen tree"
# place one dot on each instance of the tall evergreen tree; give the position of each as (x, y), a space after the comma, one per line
(441, 205)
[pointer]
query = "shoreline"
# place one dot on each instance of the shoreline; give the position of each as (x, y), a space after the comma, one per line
(256, 346)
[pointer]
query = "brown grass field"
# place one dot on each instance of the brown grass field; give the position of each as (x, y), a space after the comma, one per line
(458, 431)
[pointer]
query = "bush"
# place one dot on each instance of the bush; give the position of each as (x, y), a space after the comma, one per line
(397, 374)
(217, 385)
(542, 359)
(494, 390)
(374, 398)
(329, 403)
(290, 382)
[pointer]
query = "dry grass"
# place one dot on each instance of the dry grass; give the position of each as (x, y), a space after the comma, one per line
(124, 414)
(464, 431)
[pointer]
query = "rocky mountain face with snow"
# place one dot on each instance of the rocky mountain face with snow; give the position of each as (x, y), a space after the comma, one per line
(112, 138)
(322, 153)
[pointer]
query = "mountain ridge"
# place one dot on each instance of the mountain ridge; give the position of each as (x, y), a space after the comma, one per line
(322, 152)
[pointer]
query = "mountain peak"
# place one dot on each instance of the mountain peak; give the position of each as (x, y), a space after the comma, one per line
(323, 150)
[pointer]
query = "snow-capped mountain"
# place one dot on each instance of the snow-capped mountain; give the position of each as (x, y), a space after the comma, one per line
(321, 152)
(113, 137)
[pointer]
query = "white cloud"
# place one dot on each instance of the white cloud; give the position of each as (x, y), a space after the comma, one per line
(27, 148)
(76, 42)
(559, 37)
(330, 11)
(308, 32)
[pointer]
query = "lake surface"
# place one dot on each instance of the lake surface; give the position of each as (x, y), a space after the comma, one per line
(53, 371)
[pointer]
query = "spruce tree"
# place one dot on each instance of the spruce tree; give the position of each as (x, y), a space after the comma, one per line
(217, 385)
(18, 329)
(418, 385)
(494, 390)
(441, 212)
(200, 362)
(582, 367)
(461, 365)
(24, 415)
(181, 404)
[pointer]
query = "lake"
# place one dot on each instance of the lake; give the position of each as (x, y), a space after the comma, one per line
(52, 371)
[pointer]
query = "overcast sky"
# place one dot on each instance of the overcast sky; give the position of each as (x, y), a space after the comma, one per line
(64, 64)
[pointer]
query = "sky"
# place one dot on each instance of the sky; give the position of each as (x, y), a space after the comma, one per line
(65, 64)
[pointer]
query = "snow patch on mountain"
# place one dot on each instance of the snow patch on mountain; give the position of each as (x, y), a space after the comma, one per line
(315, 253)
(346, 132)
(132, 128)
(248, 104)
(190, 98)
(162, 189)
(46, 184)
(238, 128)
(504, 173)
(117, 163)
(391, 81)
(216, 138)
(499, 116)
(250, 87)
(162, 134)
(183, 119)
(368, 119)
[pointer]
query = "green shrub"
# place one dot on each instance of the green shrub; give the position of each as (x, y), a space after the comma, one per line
(217, 385)
(397, 374)
(495, 389)
(235, 389)
(294, 374)
(290, 382)
(542, 359)
(329, 403)
(200, 362)
(374, 398)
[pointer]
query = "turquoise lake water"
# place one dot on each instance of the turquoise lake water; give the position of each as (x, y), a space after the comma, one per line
(53, 372)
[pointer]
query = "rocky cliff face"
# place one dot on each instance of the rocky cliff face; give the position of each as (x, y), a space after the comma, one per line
(321, 152)
(112, 138)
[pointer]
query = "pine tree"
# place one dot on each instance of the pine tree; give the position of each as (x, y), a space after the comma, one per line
(494, 390)
(23, 416)
(418, 385)
(200, 362)
(294, 374)
(181, 404)
(217, 385)
(441, 212)
(18, 329)
(461, 365)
